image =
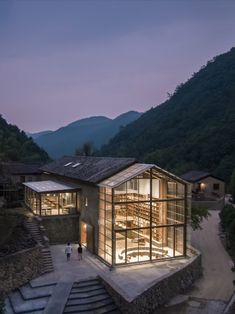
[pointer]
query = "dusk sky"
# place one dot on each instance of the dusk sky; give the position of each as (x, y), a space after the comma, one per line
(61, 61)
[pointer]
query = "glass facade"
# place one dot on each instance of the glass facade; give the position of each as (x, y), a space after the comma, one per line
(143, 218)
(52, 203)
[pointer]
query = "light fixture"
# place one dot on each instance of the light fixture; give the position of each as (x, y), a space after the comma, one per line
(86, 201)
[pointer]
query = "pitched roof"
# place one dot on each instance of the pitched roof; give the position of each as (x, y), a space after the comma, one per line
(88, 169)
(194, 176)
(19, 168)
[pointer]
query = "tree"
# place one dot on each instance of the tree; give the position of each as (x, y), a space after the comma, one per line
(197, 215)
(87, 149)
(232, 185)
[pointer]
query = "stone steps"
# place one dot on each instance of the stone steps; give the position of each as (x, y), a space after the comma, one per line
(19, 305)
(28, 299)
(28, 292)
(78, 295)
(86, 289)
(90, 296)
(89, 300)
(38, 233)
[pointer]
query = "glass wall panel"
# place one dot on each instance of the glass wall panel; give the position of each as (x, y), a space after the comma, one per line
(175, 189)
(120, 247)
(159, 213)
(155, 188)
(179, 241)
(51, 203)
(170, 241)
(58, 203)
(120, 193)
(146, 226)
(175, 212)
(159, 243)
(105, 224)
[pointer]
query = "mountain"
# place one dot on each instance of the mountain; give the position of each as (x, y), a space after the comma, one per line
(193, 129)
(36, 135)
(96, 130)
(16, 146)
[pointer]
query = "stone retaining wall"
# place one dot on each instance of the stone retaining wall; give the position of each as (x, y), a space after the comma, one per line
(162, 291)
(19, 268)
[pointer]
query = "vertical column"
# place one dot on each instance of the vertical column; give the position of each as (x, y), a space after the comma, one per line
(40, 204)
(185, 218)
(113, 232)
(151, 218)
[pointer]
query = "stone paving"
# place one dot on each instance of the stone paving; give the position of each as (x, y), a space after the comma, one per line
(130, 281)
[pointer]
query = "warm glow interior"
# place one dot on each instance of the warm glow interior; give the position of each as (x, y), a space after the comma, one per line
(148, 214)
(51, 203)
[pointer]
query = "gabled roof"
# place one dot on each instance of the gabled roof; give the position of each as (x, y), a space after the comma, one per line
(125, 175)
(194, 176)
(87, 168)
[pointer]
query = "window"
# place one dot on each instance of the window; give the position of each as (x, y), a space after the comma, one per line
(216, 186)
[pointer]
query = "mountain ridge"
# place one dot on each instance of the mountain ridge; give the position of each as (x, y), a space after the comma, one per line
(97, 130)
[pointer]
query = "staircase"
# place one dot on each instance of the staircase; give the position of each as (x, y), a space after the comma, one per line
(90, 297)
(38, 234)
(83, 297)
(29, 299)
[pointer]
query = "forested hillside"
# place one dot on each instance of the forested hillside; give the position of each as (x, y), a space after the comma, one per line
(193, 129)
(16, 146)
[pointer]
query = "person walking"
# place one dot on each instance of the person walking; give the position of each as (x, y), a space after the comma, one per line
(68, 251)
(79, 252)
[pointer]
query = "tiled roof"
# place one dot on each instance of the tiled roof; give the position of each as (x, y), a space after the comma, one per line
(194, 176)
(88, 169)
(19, 168)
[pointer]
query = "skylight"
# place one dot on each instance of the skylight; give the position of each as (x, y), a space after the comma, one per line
(69, 163)
(77, 164)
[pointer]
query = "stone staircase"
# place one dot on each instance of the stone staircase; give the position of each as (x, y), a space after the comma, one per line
(90, 296)
(38, 234)
(29, 299)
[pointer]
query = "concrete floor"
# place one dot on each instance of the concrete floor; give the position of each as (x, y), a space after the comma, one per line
(129, 281)
(209, 294)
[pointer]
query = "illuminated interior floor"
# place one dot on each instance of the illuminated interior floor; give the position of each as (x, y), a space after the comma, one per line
(141, 253)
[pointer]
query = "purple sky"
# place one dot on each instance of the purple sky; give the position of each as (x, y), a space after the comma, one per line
(61, 61)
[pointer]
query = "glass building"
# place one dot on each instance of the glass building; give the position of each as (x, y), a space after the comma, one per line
(142, 216)
(50, 198)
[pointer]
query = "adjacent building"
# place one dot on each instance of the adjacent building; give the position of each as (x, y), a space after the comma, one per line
(12, 175)
(204, 185)
(121, 210)
(207, 190)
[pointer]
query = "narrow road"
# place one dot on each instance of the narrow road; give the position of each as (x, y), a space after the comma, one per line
(209, 294)
(217, 280)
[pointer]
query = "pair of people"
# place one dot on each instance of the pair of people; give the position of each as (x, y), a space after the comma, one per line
(69, 250)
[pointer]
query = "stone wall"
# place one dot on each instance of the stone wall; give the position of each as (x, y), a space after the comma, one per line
(19, 268)
(160, 292)
(61, 229)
